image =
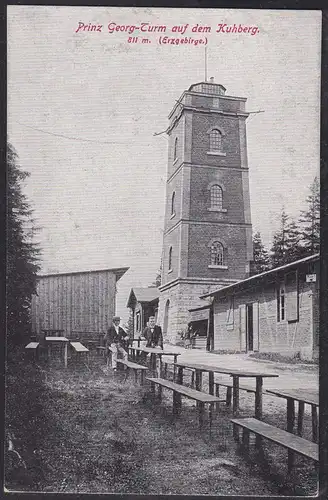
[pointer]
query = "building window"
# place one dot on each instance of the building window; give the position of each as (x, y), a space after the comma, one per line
(216, 195)
(173, 204)
(215, 140)
(170, 259)
(138, 322)
(217, 254)
(175, 156)
(281, 303)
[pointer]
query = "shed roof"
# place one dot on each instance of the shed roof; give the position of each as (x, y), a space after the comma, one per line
(149, 294)
(118, 271)
(258, 277)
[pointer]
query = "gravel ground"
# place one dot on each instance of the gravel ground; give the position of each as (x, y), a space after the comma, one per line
(84, 430)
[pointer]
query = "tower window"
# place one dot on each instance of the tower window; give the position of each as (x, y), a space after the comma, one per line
(217, 254)
(170, 259)
(215, 140)
(216, 195)
(173, 204)
(175, 156)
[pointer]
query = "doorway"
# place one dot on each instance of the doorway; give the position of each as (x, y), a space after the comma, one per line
(249, 328)
(166, 317)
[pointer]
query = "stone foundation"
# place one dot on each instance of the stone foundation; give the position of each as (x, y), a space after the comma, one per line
(182, 296)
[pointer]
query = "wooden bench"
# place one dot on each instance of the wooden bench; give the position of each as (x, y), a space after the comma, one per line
(137, 368)
(101, 350)
(80, 349)
(293, 443)
(179, 390)
(33, 347)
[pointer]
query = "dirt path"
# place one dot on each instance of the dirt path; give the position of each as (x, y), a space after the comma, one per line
(87, 432)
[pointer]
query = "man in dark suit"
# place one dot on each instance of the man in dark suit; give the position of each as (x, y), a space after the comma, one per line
(118, 340)
(153, 334)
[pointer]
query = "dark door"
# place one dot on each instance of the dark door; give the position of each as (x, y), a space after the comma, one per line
(249, 327)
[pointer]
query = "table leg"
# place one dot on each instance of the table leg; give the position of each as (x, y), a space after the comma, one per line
(300, 418)
(290, 414)
(65, 355)
(258, 398)
(198, 380)
(201, 414)
(165, 370)
(180, 375)
(314, 423)
(138, 342)
(235, 395)
(211, 383)
(174, 370)
(176, 403)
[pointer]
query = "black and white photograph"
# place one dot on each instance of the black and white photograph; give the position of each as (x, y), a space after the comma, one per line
(163, 251)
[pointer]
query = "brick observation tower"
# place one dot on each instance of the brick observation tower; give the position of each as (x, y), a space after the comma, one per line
(207, 239)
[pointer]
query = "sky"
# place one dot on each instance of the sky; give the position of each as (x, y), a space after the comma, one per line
(98, 193)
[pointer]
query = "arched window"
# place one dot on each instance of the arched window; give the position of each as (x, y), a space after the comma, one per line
(175, 149)
(217, 254)
(216, 197)
(170, 259)
(173, 204)
(215, 140)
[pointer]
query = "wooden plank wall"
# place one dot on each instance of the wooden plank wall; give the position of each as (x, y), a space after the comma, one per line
(82, 302)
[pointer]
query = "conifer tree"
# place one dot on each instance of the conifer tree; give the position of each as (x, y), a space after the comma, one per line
(286, 246)
(22, 253)
(309, 221)
(261, 260)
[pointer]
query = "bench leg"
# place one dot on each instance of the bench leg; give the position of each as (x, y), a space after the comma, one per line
(229, 396)
(152, 388)
(235, 395)
(259, 398)
(300, 418)
(217, 393)
(165, 370)
(210, 415)
(290, 414)
(142, 377)
(235, 431)
(136, 376)
(211, 383)
(159, 393)
(246, 439)
(314, 423)
(201, 414)
(193, 379)
(176, 403)
(291, 459)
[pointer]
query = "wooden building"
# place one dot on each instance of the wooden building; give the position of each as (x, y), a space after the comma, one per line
(76, 303)
(143, 303)
(275, 311)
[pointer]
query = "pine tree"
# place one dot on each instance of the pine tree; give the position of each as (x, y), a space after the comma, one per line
(22, 254)
(286, 246)
(310, 221)
(261, 260)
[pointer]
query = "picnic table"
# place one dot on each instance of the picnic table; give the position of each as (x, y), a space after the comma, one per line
(303, 396)
(61, 341)
(153, 353)
(235, 374)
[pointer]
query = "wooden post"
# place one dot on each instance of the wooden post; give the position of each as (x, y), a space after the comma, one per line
(193, 378)
(258, 398)
(142, 377)
(246, 439)
(217, 393)
(198, 382)
(235, 395)
(180, 375)
(176, 403)
(201, 406)
(211, 383)
(290, 414)
(300, 418)
(235, 432)
(65, 354)
(165, 370)
(228, 396)
(314, 423)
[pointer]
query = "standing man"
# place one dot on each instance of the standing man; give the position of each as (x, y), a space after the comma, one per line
(118, 340)
(154, 337)
(153, 334)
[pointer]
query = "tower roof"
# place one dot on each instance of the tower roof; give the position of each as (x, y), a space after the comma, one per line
(208, 88)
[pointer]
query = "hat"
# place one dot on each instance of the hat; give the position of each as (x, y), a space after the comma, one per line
(116, 318)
